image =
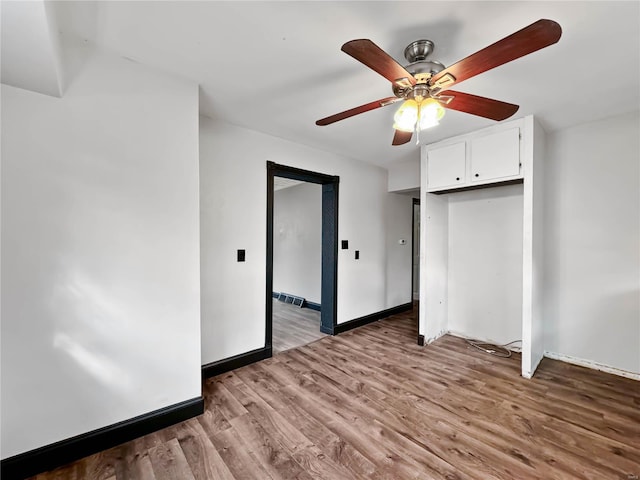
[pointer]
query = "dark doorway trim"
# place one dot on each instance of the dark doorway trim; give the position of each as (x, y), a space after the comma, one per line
(416, 201)
(329, 286)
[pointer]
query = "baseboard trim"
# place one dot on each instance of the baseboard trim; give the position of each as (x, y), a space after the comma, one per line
(359, 322)
(312, 306)
(237, 361)
(55, 455)
(591, 364)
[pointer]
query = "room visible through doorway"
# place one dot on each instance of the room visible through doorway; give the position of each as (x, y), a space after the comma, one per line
(302, 247)
(297, 263)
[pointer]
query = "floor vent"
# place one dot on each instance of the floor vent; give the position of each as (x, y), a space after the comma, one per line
(292, 299)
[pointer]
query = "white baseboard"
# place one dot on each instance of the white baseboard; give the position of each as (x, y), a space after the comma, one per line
(591, 364)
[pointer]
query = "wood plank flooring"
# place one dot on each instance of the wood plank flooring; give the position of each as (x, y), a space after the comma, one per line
(294, 326)
(371, 404)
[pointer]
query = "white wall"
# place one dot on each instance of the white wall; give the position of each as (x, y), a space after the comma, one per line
(485, 263)
(297, 241)
(100, 267)
(592, 233)
(233, 294)
(404, 176)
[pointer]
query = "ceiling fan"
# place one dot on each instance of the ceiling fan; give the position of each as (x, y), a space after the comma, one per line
(424, 84)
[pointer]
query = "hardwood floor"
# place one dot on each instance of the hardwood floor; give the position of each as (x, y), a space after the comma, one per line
(371, 404)
(294, 326)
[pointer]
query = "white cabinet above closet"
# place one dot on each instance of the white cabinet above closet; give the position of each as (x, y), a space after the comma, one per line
(447, 167)
(483, 158)
(496, 157)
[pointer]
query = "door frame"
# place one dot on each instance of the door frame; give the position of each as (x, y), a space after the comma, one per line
(329, 284)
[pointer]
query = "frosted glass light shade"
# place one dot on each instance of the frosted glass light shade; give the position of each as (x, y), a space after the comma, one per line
(430, 113)
(406, 117)
(424, 115)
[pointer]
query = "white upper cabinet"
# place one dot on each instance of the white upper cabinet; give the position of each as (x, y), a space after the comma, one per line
(468, 161)
(446, 167)
(496, 156)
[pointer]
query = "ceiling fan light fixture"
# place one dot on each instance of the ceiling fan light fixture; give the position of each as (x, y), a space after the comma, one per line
(406, 117)
(430, 113)
(423, 115)
(421, 83)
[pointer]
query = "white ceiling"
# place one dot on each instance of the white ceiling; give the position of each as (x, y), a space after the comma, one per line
(280, 183)
(276, 67)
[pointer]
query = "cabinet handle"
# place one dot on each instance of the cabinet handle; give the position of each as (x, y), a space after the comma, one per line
(458, 179)
(477, 174)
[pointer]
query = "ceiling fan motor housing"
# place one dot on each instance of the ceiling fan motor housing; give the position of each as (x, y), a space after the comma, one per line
(418, 50)
(420, 68)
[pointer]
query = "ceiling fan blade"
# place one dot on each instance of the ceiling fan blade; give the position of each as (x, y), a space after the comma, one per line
(536, 36)
(400, 137)
(368, 53)
(358, 110)
(481, 106)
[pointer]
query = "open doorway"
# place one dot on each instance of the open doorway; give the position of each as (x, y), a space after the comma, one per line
(415, 263)
(297, 263)
(415, 251)
(284, 313)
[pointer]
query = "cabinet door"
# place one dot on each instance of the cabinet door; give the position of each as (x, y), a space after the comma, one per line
(446, 166)
(495, 156)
